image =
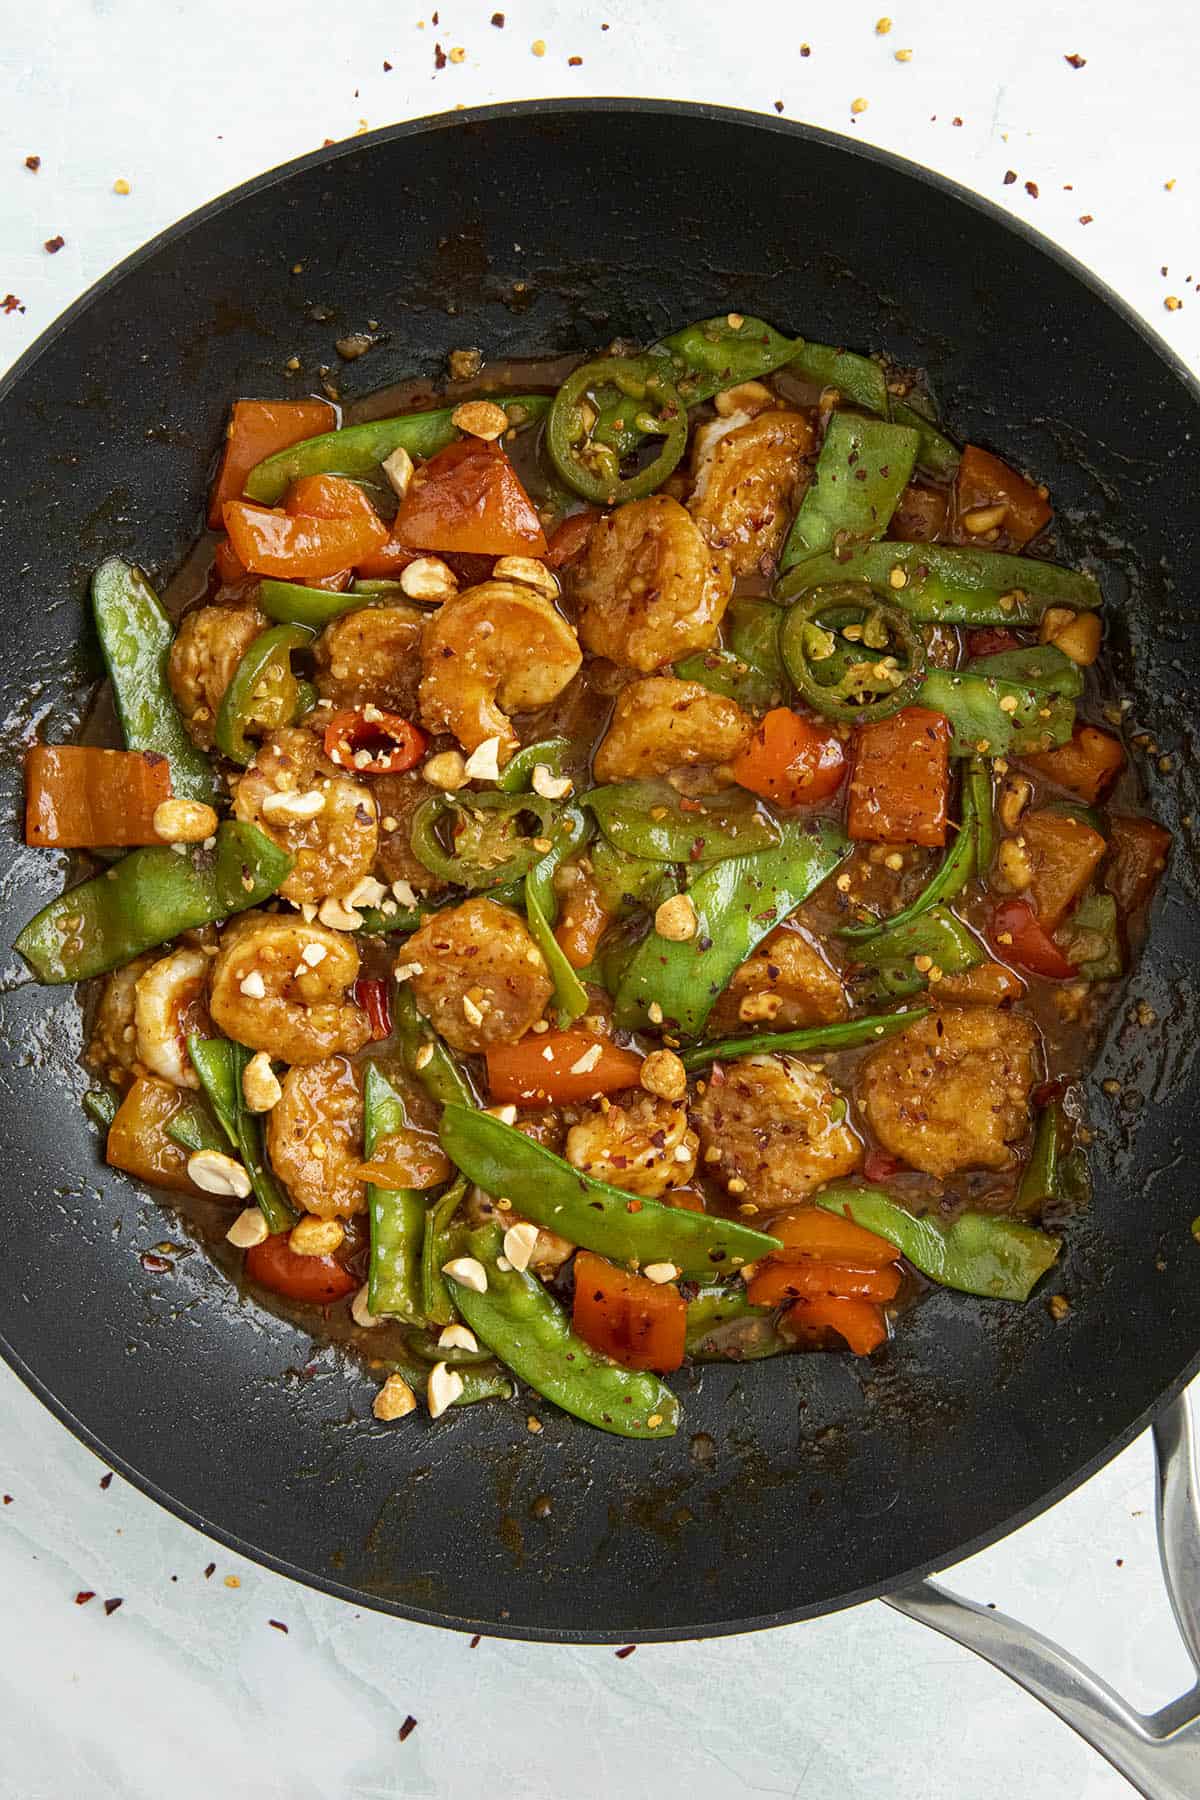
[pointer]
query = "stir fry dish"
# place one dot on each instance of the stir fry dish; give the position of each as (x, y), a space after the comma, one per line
(605, 865)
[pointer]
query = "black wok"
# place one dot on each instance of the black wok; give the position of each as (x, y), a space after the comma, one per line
(795, 1486)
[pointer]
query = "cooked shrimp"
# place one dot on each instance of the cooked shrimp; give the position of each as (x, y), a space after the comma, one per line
(398, 797)
(168, 1007)
(774, 1129)
(479, 977)
(749, 476)
(649, 587)
(112, 1048)
(371, 656)
(643, 1145)
(496, 649)
(209, 645)
(314, 1138)
(786, 984)
(661, 723)
(335, 846)
(301, 1014)
(952, 1092)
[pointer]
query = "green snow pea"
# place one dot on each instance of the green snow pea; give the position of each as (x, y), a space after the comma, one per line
(948, 586)
(863, 469)
(396, 1215)
(935, 451)
(948, 879)
(647, 819)
(737, 903)
(983, 723)
(1055, 1173)
(858, 379)
(220, 1066)
(541, 910)
(148, 898)
(1042, 666)
(135, 636)
(749, 669)
(481, 1381)
(263, 690)
(546, 1189)
(101, 1105)
(522, 1323)
(846, 1036)
(438, 1073)
(722, 1326)
(980, 1253)
(977, 778)
(625, 883)
(437, 1247)
(358, 450)
(191, 1126)
(935, 933)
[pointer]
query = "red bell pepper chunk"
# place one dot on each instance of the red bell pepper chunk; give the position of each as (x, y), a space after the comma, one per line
(860, 1323)
(257, 429)
(299, 546)
(469, 497)
(791, 760)
(315, 1280)
(81, 798)
(983, 481)
(900, 783)
(640, 1323)
(1017, 937)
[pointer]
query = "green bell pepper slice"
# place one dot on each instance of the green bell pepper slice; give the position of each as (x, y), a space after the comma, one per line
(749, 668)
(290, 604)
(722, 1326)
(859, 379)
(980, 1253)
(522, 1323)
(992, 717)
(737, 903)
(425, 1056)
(358, 450)
(148, 898)
(396, 1215)
(1091, 939)
(546, 1189)
(220, 1065)
(944, 585)
(647, 819)
(135, 637)
(862, 470)
(263, 690)
(845, 1036)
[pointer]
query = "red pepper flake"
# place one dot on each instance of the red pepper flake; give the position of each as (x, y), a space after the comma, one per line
(498, 22)
(439, 57)
(155, 1264)
(806, 50)
(1031, 188)
(1085, 218)
(1076, 61)
(956, 121)
(210, 1571)
(277, 1625)
(627, 1651)
(33, 163)
(407, 1729)
(574, 62)
(110, 1606)
(387, 68)
(11, 304)
(8, 1499)
(779, 106)
(633, 1206)
(84, 1595)
(1010, 175)
(478, 1638)
(106, 1481)
(53, 245)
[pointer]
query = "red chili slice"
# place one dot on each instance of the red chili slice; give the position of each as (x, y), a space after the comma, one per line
(381, 744)
(371, 993)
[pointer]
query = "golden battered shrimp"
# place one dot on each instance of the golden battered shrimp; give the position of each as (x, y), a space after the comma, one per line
(371, 657)
(496, 649)
(649, 587)
(209, 645)
(168, 1007)
(773, 1130)
(279, 984)
(787, 983)
(661, 723)
(112, 1048)
(749, 476)
(314, 1138)
(333, 842)
(644, 1145)
(477, 975)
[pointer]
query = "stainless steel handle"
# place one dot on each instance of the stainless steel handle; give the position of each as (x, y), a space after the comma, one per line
(1158, 1752)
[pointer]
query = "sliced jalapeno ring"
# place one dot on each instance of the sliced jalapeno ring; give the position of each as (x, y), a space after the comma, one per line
(852, 654)
(593, 467)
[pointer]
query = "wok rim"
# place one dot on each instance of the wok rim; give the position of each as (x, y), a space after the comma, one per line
(564, 107)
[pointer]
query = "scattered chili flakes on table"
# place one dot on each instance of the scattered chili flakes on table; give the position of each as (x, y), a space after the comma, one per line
(8, 1499)
(110, 1606)
(406, 1730)
(1010, 175)
(498, 21)
(475, 1641)
(627, 1651)
(53, 245)
(1031, 188)
(439, 57)
(106, 1481)
(84, 1595)
(278, 1625)
(1085, 218)
(210, 1571)
(11, 304)
(33, 163)
(806, 49)
(387, 68)
(574, 62)
(779, 106)
(1076, 61)
(1172, 303)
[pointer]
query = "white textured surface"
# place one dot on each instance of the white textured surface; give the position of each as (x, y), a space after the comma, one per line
(186, 1688)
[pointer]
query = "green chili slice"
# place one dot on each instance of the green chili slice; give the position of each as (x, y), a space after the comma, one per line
(846, 1036)
(358, 450)
(980, 1253)
(654, 410)
(396, 1215)
(517, 773)
(263, 691)
(944, 585)
(136, 636)
(522, 1323)
(852, 655)
(475, 840)
(862, 470)
(649, 819)
(290, 604)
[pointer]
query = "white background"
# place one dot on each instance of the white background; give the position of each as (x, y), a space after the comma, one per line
(186, 1688)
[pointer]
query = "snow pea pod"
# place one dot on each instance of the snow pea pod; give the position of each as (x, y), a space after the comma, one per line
(737, 903)
(101, 1106)
(863, 469)
(934, 933)
(290, 604)
(722, 1326)
(648, 819)
(358, 450)
(1041, 666)
(438, 1072)
(263, 689)
(396, 1215)
(992, 717)
(522, 1323)
(948, 879)
(980, 1253)
(846, 1036)
(546, 1189)
(935, 451)
(977, 779)
(857, 378)
(624, 883)
(944, 585)
(749, 668)
(148, 898)
(541, 910)
(1091, 940)
(220, 1065)
(437, 1301)
(135, 636)
(481, 1381)
(191, 1126)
